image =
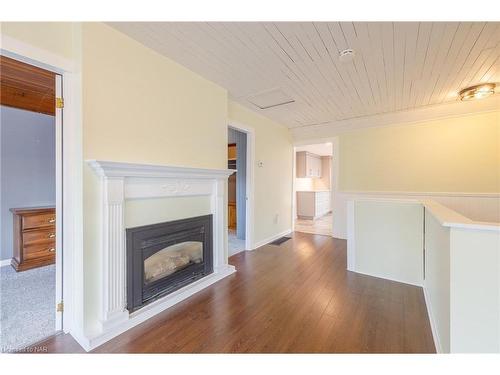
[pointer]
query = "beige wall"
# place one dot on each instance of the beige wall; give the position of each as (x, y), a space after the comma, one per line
(142, 107)
(171, 114)
(273, 181)
(139, 106)
(55, 37)
(452, 155)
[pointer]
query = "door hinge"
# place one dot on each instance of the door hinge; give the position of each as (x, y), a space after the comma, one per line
(60, 307)
(59, 103)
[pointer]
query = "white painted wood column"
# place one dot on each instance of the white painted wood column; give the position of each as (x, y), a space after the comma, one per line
(114, 257)
(218, 206)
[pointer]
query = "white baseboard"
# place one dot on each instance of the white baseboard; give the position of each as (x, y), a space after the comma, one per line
(387, 278)
(154, 308)
(4, 262)
(230, 253)
(258, 244)
(81, 339)
(435, 335)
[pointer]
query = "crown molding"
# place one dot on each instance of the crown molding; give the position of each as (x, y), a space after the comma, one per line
(427, 113)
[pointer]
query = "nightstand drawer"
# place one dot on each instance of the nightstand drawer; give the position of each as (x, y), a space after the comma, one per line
(39, 236)
(39, 251)
(39, 220)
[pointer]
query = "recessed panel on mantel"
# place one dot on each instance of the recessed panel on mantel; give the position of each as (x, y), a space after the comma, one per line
(148, 211)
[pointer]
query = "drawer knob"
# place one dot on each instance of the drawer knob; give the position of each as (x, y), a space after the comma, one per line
(52, 220)
(52, 235)
(52, 249)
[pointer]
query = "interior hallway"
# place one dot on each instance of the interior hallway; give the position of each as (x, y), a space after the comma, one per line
(322, 225)
(293, 298)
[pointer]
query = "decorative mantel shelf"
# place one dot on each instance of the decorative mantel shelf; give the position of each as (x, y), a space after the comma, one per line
(118, 169)
(122, 181)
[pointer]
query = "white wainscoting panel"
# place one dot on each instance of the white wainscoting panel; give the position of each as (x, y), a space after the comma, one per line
(388, 239)
(437, 280)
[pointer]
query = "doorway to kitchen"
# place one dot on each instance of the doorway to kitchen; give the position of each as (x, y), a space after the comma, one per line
(313, 187)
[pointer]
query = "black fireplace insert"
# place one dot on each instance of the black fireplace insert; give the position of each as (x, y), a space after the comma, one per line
(162, 258)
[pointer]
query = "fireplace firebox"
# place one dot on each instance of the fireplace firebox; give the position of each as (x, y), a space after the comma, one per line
(162, 258)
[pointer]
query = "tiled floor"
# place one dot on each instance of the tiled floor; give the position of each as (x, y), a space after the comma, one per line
(235, 245)
(322, 225)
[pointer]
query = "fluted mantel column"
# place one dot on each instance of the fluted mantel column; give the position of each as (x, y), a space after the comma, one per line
(113, 255)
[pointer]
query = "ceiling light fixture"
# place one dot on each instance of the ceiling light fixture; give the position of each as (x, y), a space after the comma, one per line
(346, 55)
(477, 92)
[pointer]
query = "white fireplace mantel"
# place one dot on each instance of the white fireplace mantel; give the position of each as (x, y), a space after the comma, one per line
(118, 169)
(122, 181)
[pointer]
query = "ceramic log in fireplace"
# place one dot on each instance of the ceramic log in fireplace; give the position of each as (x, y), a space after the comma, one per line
(162, 258)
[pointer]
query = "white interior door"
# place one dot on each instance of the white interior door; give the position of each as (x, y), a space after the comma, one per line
(59, 206)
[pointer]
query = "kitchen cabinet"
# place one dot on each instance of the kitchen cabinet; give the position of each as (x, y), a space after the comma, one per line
(313, 204)
(308, 165)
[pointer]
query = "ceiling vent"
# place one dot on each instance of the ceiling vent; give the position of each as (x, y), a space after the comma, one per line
(270, 98)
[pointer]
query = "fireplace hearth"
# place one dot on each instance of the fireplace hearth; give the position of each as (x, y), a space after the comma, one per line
(164, 257)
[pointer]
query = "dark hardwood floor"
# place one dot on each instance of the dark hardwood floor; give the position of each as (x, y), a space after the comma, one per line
(293, 298)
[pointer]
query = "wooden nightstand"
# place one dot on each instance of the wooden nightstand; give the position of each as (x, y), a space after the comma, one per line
(34, 237)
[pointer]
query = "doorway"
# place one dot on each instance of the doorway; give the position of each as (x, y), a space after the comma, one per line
(245, 192)
(237, 156)
(313, 186)
(30, 204)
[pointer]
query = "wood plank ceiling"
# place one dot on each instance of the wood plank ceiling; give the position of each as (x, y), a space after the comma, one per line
(397, 66)
(27, 87)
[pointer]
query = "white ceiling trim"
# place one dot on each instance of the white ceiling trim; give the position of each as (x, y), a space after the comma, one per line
(428, 113)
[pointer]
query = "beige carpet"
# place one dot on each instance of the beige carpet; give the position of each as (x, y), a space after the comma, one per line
(27, 301)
